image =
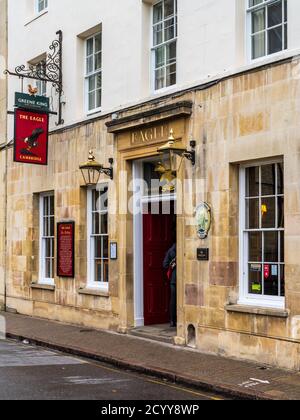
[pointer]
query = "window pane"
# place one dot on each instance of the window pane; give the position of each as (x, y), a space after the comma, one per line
(98, 98)
(105, 271)
(280, 213)
(105, 247)
(89, 64)
(48, 248)
(96, 224)
(90, 46)
(282, 256)
(268, 180)
(171, 75)
(171, 53)
(255, 247)
(271, 277)
(170, 29)
(268, 213)
(282, 280)
(98, 43)
(104, 223)
(280, 184)
(98, 247)
(159, 78)
(98, 61)
(285, 37)
(91, 101)
(258, 45)
(169, 8)
(158, 34)
(92, 83)
(157, 13)
(275, 14)
(258, 21)
(255, 2)
(255, 279)
(252, 214)
(160, 57)
(252, 184)
(51, 223)
(271, 247)
(98, 271)
(275, 40)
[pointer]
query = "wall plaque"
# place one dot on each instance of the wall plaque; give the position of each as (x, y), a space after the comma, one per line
(66, 249)
(203, 220)
(203, 254)
(31, 137)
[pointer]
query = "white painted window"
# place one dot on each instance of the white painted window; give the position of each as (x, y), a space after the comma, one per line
(98, 238)
(262, 235)
(40, 84)
(165, 43)
(93, 77)
(268, 27)
(41, 5)
(47, 238)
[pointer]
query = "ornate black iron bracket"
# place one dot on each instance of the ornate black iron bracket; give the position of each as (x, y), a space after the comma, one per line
(108, 171)
(49, 70)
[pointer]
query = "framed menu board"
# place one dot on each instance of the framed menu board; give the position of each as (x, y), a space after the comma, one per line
(66, 249)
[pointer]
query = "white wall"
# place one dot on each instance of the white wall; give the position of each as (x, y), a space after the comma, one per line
(211, 41)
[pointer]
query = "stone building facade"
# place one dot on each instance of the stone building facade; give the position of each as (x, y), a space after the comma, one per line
(3, 139)
(243, 301)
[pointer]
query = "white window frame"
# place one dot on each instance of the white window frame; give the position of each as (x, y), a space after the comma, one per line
(249, 35)
(163, 44)
(41, 6)
(245, 298)
(42, 252)
(88, 75)
(91, 283)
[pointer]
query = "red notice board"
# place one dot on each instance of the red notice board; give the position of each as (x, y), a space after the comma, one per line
(66, 249)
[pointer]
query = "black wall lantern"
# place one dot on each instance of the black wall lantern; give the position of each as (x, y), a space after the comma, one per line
(91, 170)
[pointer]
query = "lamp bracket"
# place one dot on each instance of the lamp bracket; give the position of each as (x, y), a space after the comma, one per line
(108, 171)
(191, 154)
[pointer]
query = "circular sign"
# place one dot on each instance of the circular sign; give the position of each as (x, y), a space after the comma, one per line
(203, 220)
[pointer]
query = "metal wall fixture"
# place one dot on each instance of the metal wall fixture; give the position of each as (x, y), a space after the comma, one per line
(49, 70)
(91, 170)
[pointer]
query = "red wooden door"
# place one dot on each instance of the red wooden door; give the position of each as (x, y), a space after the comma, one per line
(158, 238)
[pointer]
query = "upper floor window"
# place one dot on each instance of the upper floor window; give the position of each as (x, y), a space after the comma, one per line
(40, 84)
(165, 43)
(41, 5)
(93, 77)
(269, 27)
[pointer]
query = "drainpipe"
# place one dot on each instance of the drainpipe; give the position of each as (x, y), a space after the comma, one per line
(6, 168)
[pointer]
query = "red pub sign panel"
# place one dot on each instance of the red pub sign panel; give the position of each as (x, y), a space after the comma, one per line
(66, 249)
(31, 137)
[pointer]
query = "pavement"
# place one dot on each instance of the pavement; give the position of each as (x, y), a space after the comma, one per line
(231, 378)
(32, 373)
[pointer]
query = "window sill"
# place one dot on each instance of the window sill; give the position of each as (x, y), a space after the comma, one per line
(39, 286)
(94, 292)
(37, 16)
(255, 310)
